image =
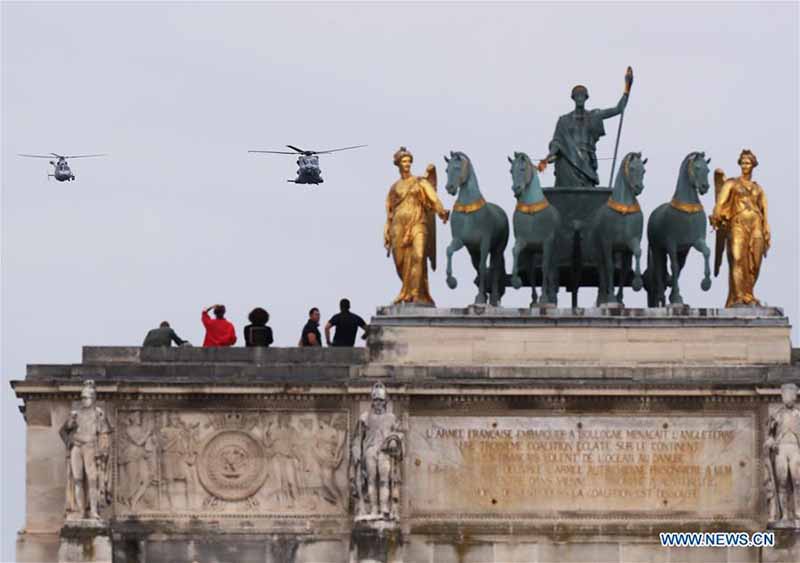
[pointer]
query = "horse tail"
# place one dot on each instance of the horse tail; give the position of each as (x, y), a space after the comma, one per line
(657, 264)
(501, 273)
(649, 278)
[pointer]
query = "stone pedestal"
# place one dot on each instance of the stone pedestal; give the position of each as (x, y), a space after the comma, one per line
(497, 336)
(786, 549)
(84, 541)
(377, 542)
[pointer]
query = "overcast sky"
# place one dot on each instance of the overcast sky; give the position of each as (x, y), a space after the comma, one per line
(180, 216)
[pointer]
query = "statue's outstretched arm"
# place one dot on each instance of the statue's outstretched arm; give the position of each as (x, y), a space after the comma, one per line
(721, 214)
(433, 199)
(616, 110)
(623, 101)
(552, 155)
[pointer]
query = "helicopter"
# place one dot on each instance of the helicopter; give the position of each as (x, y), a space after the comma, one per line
(61, 169)
(308, 170)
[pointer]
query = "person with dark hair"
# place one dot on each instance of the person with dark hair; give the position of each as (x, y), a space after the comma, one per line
(257, 333)
(346, 324)
(219, 331)
(310, 335)
(162, 336)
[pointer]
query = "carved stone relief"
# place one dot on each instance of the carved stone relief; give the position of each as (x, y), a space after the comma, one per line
(245, 462)
(782, 462)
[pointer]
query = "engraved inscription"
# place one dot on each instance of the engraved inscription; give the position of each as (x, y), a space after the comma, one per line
(512, 465)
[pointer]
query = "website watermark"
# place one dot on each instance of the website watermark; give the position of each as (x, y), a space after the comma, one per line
(717, 539)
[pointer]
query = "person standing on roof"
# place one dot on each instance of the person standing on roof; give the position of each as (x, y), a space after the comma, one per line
(219, 331)
(347, 325)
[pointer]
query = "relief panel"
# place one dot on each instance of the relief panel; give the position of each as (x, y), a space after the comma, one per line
(245, 462)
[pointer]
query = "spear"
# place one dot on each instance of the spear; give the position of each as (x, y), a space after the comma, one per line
(628, 83)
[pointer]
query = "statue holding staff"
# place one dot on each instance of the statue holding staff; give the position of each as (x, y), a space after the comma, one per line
(410, 230)
(740, 217)
(574, 144)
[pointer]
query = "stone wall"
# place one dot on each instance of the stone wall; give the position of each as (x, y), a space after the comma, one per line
(245, 455)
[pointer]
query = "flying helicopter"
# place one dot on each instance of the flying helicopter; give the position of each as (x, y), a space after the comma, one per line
(308, 170)
(61, 169)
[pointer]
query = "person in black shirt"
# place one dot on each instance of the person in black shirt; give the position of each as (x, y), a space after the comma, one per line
(162, 336)
(257, 333)
(311, 335)
(346, 324)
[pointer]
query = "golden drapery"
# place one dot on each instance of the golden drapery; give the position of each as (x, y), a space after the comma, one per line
(740, 215)
(410, 233)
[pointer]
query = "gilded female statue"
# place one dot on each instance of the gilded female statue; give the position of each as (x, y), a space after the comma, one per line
(410, 230)
(740, 217)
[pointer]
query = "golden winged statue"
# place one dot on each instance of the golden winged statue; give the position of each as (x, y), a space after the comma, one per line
(740, 217)
(410, 231)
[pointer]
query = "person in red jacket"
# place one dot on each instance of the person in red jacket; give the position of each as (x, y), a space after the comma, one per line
(219, 331)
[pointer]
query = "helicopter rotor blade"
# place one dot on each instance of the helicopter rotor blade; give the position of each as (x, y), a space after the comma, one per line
(301, 151)
(84, 155)
(341, 149)
(36, 155)
(275, 152)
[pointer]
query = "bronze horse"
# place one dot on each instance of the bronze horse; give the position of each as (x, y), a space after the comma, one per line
(676, 227)
(480, 226)
(536, 225)
(615, 230)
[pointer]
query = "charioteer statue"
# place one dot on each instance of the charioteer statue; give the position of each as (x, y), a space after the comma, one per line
(574, 144)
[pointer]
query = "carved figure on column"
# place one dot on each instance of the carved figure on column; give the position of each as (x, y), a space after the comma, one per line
(328, 453)
(281, 443)
(740, 217)
(783, 460)
(179, 455)
(377, 454)
(137, 459)
(86, 434)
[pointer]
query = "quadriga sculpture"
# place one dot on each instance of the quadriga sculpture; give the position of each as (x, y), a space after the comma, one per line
(616, 229)
(676, 227)
(536, 224)
(480, 226)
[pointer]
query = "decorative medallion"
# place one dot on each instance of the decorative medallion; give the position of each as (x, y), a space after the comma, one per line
(232, 465)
